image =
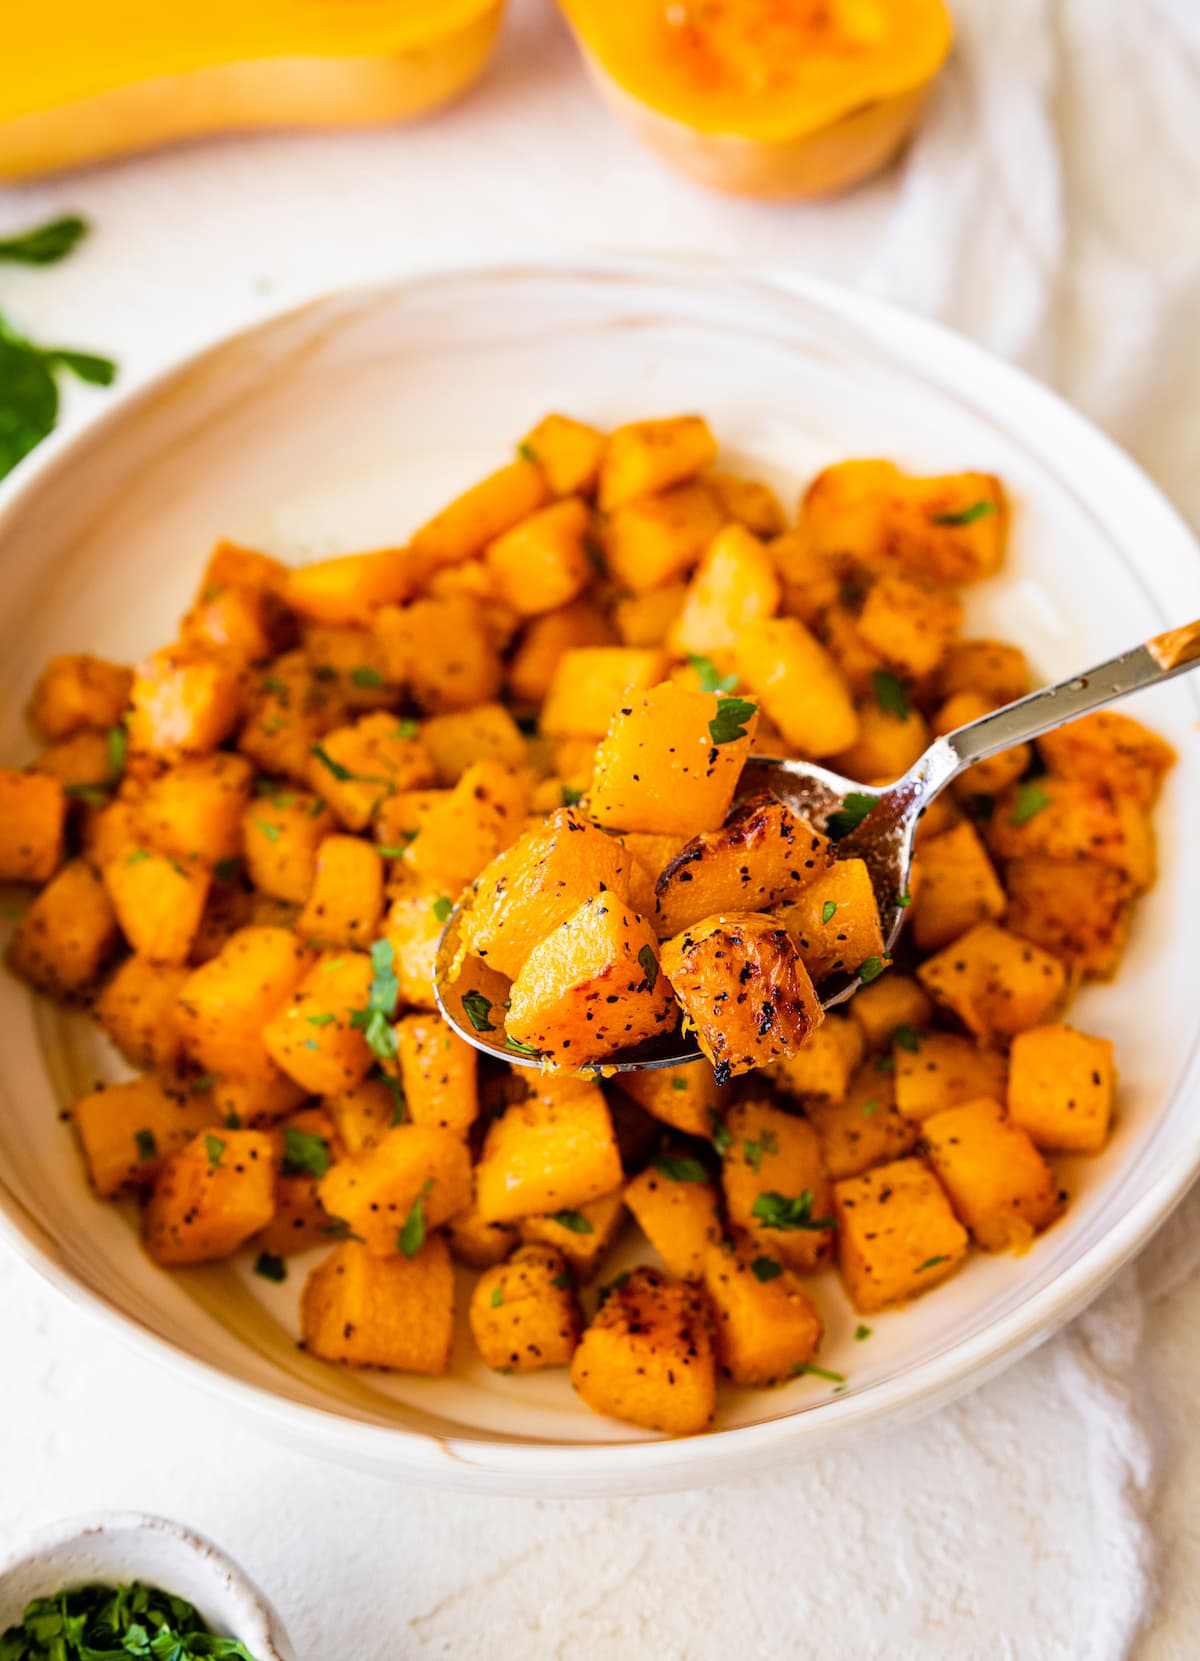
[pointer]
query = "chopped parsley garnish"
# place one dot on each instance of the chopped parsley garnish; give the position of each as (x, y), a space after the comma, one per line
(527, 453)
(868, 1108)
(412, 1236)
(29, 392)
(442, 907)
(137, 856)
(818, 1372)
(778, 1211)
(854, 809)
(45, 244)
(478, 1010)
(890, 694)
(497, 1296)
(366, 676)
(270, 831)
(1030, 799)
(930, 1263)
(325, 1019)
(766, 1268)
(563, 1282)
(339, 1229)
(828, 910)
(870, 969)
(679, 1168)
(375, 1020)
(753, 1151)
(964, 516)
(406, 728)
(730, 721)
(860, 1332)
(147, 1146)
(903, 901)
(649, 965)
(516, 1046)
(304, 1154)
(343, 774)
(95, 795)
(397, 850)
(117, 742)
(570, 797)
(886, 1064)
(225, 870)
(270, 1267)
(906, 1038)
(679, 1084)
(573, 1221)
(709, 676)
(721, 1134)
(112, 1623)
(214, 1147)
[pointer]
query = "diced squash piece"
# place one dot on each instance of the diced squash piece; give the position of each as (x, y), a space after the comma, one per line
(734, 586)
(127, 1130)
(77, 691)
(765, 1327)
(185, 700)
(356, 768)
(209, 1198)
(552, 1152)
(750, 502)
(306, 1143)
(461, 737)
(743, 988)
(763, 854)
(800, 686)
(652, 853)
(1060, 1088)
(474, 580)
(257, 1100)
(887, 1003)
(671, 761)
(941, 1069)
(999, 1185)
(580, 1234)
(63, 940)
(523, 1314)
(314, 1038)
(994, 669)
(835, 920)
(592, 987)
(545, 639)
(686, 1098)
(527, 891)
(887, 744)
(647, 1356)
(352, 661)
(568, 453)
(349, 589)
(540, 564)
(415, 1177)
(243, 625)
(225, 1004)
(646, 619)
(138, 1009)
(362, 1115)
(1067, 819)
(575, 764)
(289, 709)
(864, 1128)
(441, 649)
(1111, 752)
(942, 814)
(648, 456)
(994, 774)
(910, 624)
(282, 835)
(678, 1211)
(812, 581)
(414, 924)
(345, 903)
(395, 1313)
(855, 660)
(483, 815)
(33, 812)
(401, 818)
(650, 542)
(83, 759)
(958, 888)
(158, 901)
(996, 983)
(482, 513)
(1079, 911)
(589, 685)
(822, 1066)
(479, 1244)
(437, 1073)
(897, 1234)
(229, 562)
(194, 810)
(776, 1187)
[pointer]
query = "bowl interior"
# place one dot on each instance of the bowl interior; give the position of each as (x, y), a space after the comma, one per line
(342, 426)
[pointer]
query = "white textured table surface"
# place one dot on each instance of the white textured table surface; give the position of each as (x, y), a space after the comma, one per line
(977, 1534)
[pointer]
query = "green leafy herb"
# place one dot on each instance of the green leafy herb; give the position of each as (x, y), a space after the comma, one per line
(442, 907)
(399, 1099)
(679, 1084)
(29, 391)
(137, 856)
(570, 797)
(233, 1120)
(903, 901)
(397, 850)
(516, 1046)
(147, 1146)
(563, 1282)
(412, 1236)
(930, 1263)
(304, 1154)
(766, 1268)
(886, 1064)
(270, 831)
(890, 694)
(214, 1147)
(339, 1229)
(818, 1372)
(778, 1211)
(477, 1009)
(95, 795)
(225, 870)
(710, 678)
(497, 1296)
(325, 1019)
(527, 452)
(269, 683)
(861, 1332)
(854, 809)
(112, 1623)
(906, 1038)
(270, 1267)
(46, 243)
(366, 676)
(868, 1108)
(606, 1292)
(1030, 799)
(721, 1134)
(680, 1169)
(828, 910)
(870, 969)
(965, 516)
(729, 723)
(573, 1221)
(649, 965)
(202, 1081)
(343, 774)
(754, 1151)
(375, 1020)
(407, 728)
(117, 740)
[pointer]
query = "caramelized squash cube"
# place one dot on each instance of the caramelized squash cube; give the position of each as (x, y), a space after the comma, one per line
(942, 1069)
(687, 1098)
(647, 1356)
(648, 456)
(127, 1130)
(33, 815)
(799, 684)
(345, 903)
(540, 564)
(230, 562)
(1069, 820)
(994, 775)
(649, 543)
(546, 639)
(362, 1115)
(442, 650)
(994, 669)
(750, 502)
(958, 888)
(1079, 911)
(1060, 1088)
(887, 744)
(482, 816)
(462, 737)
(82, 759)
(64, 939)
(185, 700)
(395, 1313)
(762, 855)
(652, 853)
(158, 901)
(897, 1234)
(580, 1234)
(355, 769)
(477, 1243)
(524, 1316)
(568, 453)
(1111, 752)
(678, 1211)
(589, 685)
(646, 619)
(77, 691)
(485, 511)
(734, 586)
(438, 1073)
(765, 1327)
(996, 983)
(243, 625)
(282, 835)
(138, 1007)
(835, 921)
(864, 1128)
(822, 1067)
(892, 1001)
(315, 1038)
(194, 810)
(225, 1004)
(349, 589)
(552, 1152)
(999, 1185)
(413, 925)
(210, 1197)
(289, 709)
(776, 1188)
(910, 624)
(414, 1178)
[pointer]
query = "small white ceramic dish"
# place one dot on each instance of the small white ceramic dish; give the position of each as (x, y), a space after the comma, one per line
(115, 1547)
(342, 425)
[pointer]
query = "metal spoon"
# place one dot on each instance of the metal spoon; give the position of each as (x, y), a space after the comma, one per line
(884, 839)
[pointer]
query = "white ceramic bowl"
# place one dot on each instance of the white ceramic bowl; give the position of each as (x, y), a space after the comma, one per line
(342, 425)
(115, 1547)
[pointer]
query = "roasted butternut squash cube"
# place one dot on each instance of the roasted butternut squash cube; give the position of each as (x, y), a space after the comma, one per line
(352, 661)
(822, 1067)
(483, 512)
(750, 502)
(574, 765)
(345, 903)
(648, 543)
(349, 589)
(798, 684)
(999, 1185)
(258, 1100)
(361, 1115)
(209, 1198)
(1060, 1088)
(765, 1326)
(647, 1356)
(462, 737)
(580, 1234)
(127, 1130)
(646, 619)
(910, 624)
(776, 1187)
(414, 1178)
(138, 1007)
(671, 761)
(396, 1313)
(194, 810)
(589, 685)
(243, 624)
(476, 1243)
(568, 453)
(938, 1070)
(897, 1234)
(1067, 819)
(475, 582)
(994, 775)
(686, 1098)
(995, 982)
(958, 888)
(1079, 911)
(524, 1315)
(307, 1144)
(652, 854)
(158, 901)
(414, 924)
(888, 742)
(84, 759)
(743, 990)
(77, 691)
(1111, 752)
(837, 626)
(282, 834)
(762, 855)
(225, 1004)
(185, 700)
(994, 669)
(317, 1037)
(527, 891)
(648, 456)
(834, 921)
(289, 708)
(437, 1072)
(592, 987)
(812, 581)
(70, 930)
(230, 562)
(484, 814)
(545, 639)
(678, 1210)
(892, 1001)
(552, 1152)
(864, 1128)
(540, 564)
(355, 769)
(33, 814)
(734, 585)
(442, 650)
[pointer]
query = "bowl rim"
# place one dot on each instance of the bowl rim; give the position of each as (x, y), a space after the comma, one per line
(525, 1465)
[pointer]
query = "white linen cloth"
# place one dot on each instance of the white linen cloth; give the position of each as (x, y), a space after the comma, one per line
(1049, 208)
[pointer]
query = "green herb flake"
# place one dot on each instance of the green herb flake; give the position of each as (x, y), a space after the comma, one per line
(563, 1282)
(117, 742)
(779, 1211)
(477, 1009)
(497, 1296)
(871, 969)
(890, 694)
(722, 1136)
(860, 1332)
(753, 1151)
(930, 1263)
(648, 964)
(46, 244)
(1030, 799)
(907, 1039)
(95, 795)
(304, 1154)
(366, 676)
(803, 1367)
(270, 1267)
(965, 516)
(326, 1019)
(573, 1221)
(407, 728)
(339, 1229)
(202, 1081)
(147, 1146)
(516, 1046)
(854, 809)
(270, 831)
(709, 676)
(679, 1084)
(886, 1064)
(214, 1147)
(397, 850)
(137, 856)
(870, 1108)
(730, 721)
(374, 1022)
(412, 1236)
(903, 901)
(226, 870)
(766, 1268)
(679, 1168)
(527, 453)
(828, 910)
(233, 1120)
(570, 797)
(442, 907)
